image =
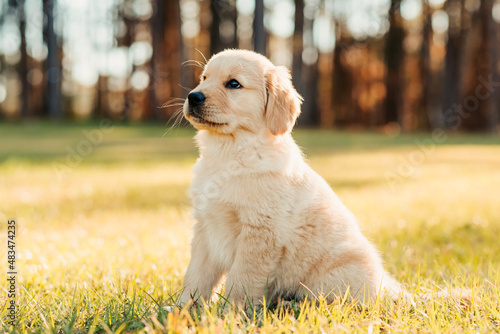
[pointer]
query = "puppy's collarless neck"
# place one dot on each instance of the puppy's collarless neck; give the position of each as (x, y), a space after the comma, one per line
(206, 139)
(213, 145)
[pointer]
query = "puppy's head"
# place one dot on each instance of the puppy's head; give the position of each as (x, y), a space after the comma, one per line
(243, 91)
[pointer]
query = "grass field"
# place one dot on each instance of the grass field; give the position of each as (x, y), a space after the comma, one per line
(103, 227)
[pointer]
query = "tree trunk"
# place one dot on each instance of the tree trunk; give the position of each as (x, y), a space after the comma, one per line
(394, 57)
(259, 32)
(167, 56)
(22, 67)
(342, 84)
(424, 109)
(453, 58)
(310, 113)
(309, 77)
(298, 45)
(157, 37)
(53, 63)
(479, 106)
(493, 111)
(223, 30)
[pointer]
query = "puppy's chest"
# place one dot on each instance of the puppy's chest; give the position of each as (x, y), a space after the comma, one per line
(225, 186)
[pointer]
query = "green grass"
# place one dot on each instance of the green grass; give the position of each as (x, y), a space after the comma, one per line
(103, 242)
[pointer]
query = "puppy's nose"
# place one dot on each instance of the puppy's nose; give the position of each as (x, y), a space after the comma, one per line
(196, 98)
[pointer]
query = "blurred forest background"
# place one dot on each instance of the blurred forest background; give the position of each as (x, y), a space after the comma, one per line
(399, 65)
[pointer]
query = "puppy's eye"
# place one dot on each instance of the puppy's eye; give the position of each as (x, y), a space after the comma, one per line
(233, 84)
(204, 77)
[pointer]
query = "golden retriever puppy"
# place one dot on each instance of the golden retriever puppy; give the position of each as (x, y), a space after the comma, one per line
(264, 218)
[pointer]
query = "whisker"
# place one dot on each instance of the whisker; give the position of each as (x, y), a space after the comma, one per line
(175, 101)
(196, 63)
(185, 88)
(177, 117)
(206, 61)
(168, 105)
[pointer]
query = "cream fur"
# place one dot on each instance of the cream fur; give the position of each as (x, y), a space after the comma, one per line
(264, 218)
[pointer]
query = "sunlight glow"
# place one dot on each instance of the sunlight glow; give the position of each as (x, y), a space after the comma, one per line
(143, 9)
(3, 92)
(324, 34)
(140, 52)
(85, 73)
(436, 3)
(245, 7)
(411, 9)
(140, 80)
(11, 40)
(118, 64)
(282, 19)
(440, 21)
(190, 10)
(363, 25)
(496, 12)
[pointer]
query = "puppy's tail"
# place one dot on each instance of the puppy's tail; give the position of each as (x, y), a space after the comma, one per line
(394, 290)
(462, 295)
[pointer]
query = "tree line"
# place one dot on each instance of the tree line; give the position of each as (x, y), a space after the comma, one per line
(401, 65)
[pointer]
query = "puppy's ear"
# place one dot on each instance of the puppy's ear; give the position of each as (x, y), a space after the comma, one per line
(283, 101)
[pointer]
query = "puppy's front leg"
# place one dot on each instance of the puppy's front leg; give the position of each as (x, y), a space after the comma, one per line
(202, 274)
(254, 264)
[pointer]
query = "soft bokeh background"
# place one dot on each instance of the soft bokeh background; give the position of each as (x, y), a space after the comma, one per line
(401, 117)
(394, 64)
